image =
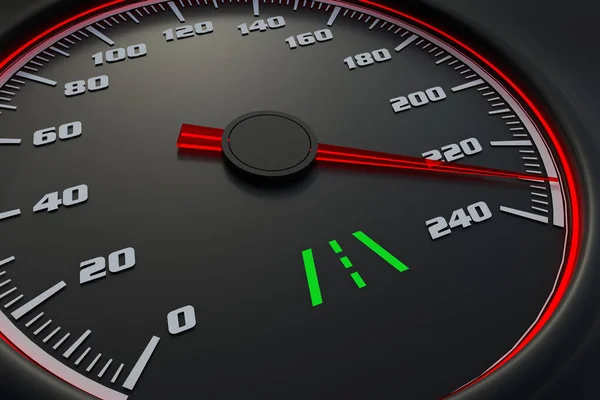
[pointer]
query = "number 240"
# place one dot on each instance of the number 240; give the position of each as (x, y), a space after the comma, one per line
(477, 212)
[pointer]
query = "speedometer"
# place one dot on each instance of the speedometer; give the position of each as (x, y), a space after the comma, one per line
(274, 199)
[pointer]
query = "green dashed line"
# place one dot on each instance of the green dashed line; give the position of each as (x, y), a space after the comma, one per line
(346, 261)
(358, 280)
(335, 246)
(347, 264)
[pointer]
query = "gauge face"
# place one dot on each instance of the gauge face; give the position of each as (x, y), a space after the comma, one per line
(273, 200)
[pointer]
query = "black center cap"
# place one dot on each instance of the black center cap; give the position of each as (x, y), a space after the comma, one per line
(269, 144)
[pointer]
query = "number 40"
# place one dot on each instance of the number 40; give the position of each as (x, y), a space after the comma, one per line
(70, 197)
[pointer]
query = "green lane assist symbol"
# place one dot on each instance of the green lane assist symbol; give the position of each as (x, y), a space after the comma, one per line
(311, 270)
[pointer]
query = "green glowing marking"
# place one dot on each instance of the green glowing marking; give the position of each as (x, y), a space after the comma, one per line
(335, 246)
(311, 277)
(358, 280)
(380, 251)
(346, 261)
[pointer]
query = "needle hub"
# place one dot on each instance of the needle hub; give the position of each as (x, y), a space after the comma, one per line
(269, 144)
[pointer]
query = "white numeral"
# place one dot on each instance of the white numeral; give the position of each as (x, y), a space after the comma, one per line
(95, 268)
(306, 39)
(188, 320)
(364, 59)
(188, 31)
(93, 84)
(65, 132)
(116, 55)
(261, 26)
(455, 151)
(114, 260)
(92, 269)
(417, 99)
(477, 212)
(75, 195)
(276, 22)
(70, 197)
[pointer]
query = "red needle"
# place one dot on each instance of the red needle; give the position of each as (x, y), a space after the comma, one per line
(196, 137)
(209, 139)
(347, 155)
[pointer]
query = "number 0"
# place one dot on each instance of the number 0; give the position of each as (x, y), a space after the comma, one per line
(185, 323)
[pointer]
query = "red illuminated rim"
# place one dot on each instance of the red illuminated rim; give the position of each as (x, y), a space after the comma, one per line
(572, 250)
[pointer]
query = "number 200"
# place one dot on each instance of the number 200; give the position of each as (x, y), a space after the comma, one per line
(417, 99)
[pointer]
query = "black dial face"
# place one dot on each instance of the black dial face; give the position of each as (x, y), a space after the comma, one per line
(289, 199)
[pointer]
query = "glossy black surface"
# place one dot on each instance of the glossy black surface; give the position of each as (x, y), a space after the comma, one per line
(575, 125)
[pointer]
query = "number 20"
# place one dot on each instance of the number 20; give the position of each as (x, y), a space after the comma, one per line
(118, 261)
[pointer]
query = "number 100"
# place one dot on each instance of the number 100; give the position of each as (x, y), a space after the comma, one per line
(116, 55)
